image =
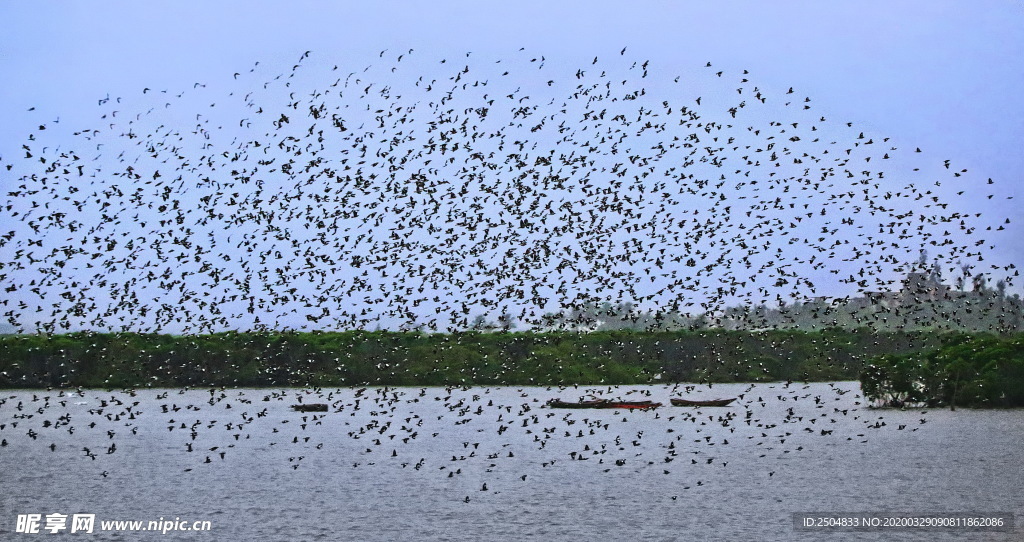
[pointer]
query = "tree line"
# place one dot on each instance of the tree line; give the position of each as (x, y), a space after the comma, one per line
(966, 370)
(358, 358)
(923, 302)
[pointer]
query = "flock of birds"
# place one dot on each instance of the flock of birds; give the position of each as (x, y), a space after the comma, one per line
(493, 437)
(416, 193)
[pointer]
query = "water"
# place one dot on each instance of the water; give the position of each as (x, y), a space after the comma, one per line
(493, 464)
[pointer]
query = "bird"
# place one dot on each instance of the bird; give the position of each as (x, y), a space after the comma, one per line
(470, 197)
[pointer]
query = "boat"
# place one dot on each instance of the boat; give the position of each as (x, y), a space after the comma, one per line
(707, 402)
(632, 404)
(312, 407)
(558, 403)
(602, 403)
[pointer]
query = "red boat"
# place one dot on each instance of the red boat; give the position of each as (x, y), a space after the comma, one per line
(603, 403)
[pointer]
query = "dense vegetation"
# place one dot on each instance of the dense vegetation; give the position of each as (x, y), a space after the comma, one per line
(117, 360)
(968, 370)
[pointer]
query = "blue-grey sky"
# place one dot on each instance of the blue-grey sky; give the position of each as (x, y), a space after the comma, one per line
(940, 76)
(945, 73)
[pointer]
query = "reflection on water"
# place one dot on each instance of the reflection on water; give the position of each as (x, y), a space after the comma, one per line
(496, 464)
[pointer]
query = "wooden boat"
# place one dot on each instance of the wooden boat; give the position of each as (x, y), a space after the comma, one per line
(603, 403)
(632, 404)
(558, 403)
(698, 403)
(312, 407)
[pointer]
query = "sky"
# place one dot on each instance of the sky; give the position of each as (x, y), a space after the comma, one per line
(940, 76)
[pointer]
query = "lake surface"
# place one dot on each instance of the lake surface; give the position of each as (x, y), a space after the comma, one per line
(495, 464)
